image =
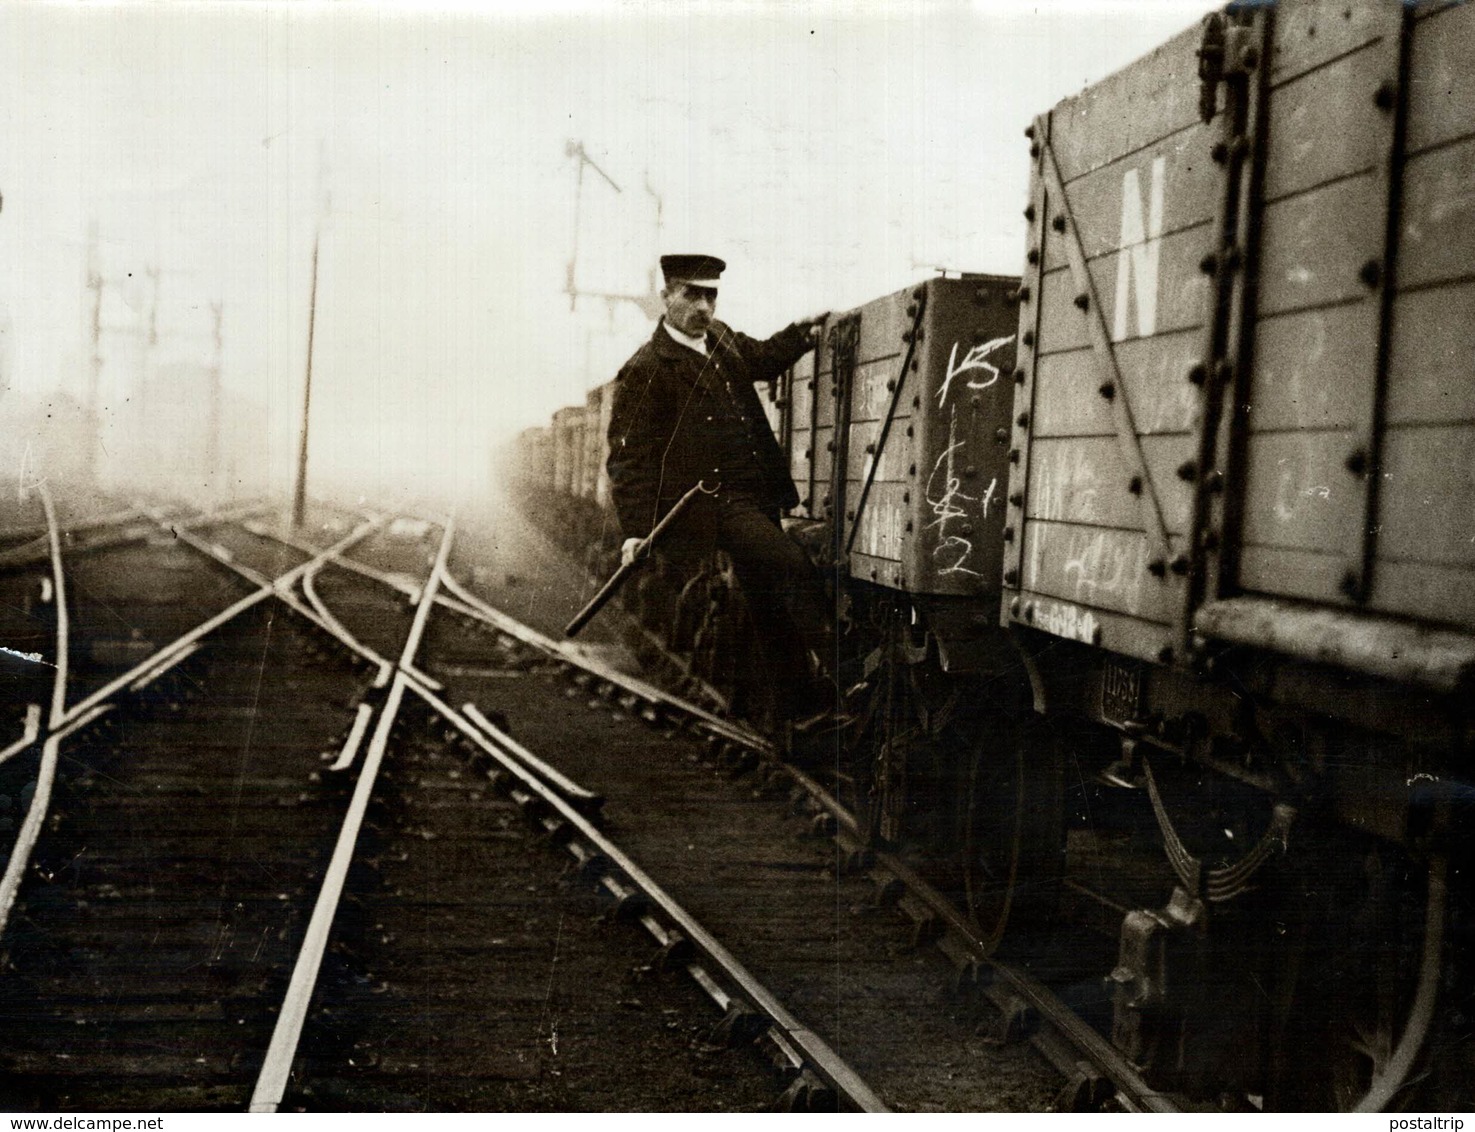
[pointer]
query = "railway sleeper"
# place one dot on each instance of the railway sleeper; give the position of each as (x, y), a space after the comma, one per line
(676, 952)
(806, 1093)
(1013, 1021)
(557, 833)
(740, 1024)
(1085, 1090)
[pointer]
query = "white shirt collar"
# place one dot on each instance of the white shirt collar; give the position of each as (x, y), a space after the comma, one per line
(697, 344)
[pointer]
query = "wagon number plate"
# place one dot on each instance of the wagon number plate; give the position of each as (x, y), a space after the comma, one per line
(1121, 692)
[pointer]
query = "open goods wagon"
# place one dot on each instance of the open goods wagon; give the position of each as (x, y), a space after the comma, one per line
(1242, 490)
(1156, 562)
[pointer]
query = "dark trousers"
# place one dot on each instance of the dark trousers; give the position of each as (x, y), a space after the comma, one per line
(786, 601)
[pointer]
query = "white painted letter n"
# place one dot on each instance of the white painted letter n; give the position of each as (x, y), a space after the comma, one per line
(1138, 255)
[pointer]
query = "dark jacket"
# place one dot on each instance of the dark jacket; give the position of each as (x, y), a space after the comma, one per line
(672, 417)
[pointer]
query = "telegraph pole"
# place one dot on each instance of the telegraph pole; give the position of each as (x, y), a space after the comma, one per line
(575, 149)
(299, 498)
(650, 302)
(299, 495)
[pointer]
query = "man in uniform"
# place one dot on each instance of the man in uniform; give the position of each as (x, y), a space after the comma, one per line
(685, 411)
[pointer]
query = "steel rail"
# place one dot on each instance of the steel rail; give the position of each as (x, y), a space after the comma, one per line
(316, 611)
(816, 1051)
(223, 555)
(586, 800)
(59, 599)
(229, 613)
(179, 656)
(339, 630)
(476, 731)
(572, 654)
(271, 1082)
(32, 728)
(324, 619)
(39, 530)
(30, 830)
(89, 709)
(469, 605)
(350, 749)
(282, 587)
(350, 564)
(572, 800)
(1133, 1092)
(136, 527)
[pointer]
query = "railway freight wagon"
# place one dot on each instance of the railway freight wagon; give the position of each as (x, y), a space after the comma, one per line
(597, 406)
(1240, 532)
(1153, 565)
(528, 463)
(560, 475)
(570, 450)
(897, 431)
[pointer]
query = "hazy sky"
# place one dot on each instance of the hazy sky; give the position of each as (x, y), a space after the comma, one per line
(831, 152)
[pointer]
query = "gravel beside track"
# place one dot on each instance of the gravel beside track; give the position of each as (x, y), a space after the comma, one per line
(760, 879)
(468, 968)
(470, 974)
(145, 957)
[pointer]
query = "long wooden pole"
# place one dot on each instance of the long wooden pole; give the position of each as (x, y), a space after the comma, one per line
(299, 498)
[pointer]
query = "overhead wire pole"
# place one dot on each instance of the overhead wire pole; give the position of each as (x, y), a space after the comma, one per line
(576, 149)
(299, 494)
(650, 302)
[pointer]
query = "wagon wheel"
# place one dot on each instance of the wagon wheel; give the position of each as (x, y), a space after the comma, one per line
(1365, 998)
(965, 779)
(1011, 844)
(690, 611)
(876, 782)
(1379, 1024)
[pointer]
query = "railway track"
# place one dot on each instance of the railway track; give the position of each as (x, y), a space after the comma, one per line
(1004, 1001)
(395, 685)
(991, 1004)
(172, 934)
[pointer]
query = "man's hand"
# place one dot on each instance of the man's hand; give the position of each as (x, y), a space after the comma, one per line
(816, 324)
(628, 549)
